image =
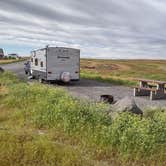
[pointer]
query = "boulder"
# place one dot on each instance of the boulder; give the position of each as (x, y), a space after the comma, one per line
(1, 70)
(126, 104)
(107, 99)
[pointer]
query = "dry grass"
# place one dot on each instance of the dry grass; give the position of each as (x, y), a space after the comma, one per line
(7, 61)
(3, 90)
(128, 70)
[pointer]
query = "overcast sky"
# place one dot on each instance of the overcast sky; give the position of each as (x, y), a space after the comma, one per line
(100, 28)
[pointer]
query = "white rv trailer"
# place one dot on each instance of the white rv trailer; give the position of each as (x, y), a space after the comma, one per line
(56, 63)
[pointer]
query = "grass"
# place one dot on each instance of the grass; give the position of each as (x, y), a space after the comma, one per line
(8, 61)
(107, 79)
(123, 72)
(40, 125)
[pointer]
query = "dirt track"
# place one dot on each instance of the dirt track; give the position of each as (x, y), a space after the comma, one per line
(92, 90)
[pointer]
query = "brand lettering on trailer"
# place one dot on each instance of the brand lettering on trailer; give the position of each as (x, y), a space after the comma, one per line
(63, 57)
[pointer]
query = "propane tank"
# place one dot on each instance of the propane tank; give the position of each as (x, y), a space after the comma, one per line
(65, 77)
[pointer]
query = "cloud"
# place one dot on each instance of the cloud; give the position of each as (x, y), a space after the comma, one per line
(101, 29)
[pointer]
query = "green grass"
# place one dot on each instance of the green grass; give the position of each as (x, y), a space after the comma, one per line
(108, 79)
(40, 125)
(123, 72)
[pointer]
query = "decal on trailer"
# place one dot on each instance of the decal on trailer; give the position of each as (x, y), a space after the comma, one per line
(63, 57)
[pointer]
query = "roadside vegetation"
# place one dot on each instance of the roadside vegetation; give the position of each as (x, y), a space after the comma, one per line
(11, 60)
(41, 125)
(123, 72)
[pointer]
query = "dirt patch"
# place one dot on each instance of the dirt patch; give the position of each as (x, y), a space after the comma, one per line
(105, 66)
(89, 67)
(109, 67)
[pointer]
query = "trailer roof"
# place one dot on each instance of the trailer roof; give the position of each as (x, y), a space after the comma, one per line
(55, 47)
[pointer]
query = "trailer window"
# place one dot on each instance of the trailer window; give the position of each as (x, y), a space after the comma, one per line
(41, 64)
(31, 59)
(36, 62)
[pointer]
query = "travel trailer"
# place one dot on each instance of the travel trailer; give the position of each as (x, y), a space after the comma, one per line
(55, 63)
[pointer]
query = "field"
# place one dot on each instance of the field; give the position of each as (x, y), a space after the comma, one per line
(57, 129)
(123, 72)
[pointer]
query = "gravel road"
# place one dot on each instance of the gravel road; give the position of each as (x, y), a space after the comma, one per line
(91, 90)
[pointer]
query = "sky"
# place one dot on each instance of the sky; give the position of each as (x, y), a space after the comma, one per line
(118, 29)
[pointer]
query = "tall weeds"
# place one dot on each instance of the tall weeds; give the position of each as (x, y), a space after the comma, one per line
(127, 138)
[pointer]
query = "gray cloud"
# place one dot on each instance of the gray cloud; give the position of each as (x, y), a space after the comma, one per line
(102, 29)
